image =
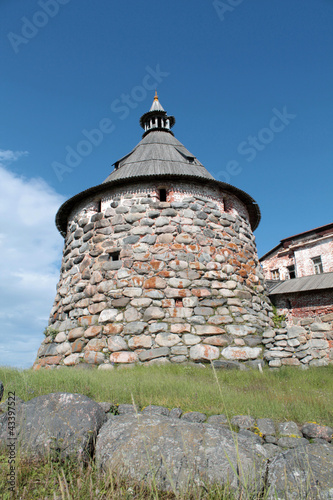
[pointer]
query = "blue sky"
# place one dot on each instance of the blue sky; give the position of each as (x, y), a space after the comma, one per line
(250, 85)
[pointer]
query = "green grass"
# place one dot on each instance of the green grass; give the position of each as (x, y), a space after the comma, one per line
(46, 480)
(286, 394)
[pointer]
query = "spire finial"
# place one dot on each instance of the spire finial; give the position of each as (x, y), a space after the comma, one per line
(156, 118)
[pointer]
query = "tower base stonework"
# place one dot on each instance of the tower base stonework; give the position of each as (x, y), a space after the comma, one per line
(144, 280)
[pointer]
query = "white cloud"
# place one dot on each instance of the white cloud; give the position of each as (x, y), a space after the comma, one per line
(9, 156)
(30, 256)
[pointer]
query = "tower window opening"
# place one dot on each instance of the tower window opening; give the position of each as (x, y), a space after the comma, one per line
(115, 255)
(99, 205)
(163, 195)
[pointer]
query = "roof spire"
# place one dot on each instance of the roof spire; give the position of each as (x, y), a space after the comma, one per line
(156, 106)
(156, 118)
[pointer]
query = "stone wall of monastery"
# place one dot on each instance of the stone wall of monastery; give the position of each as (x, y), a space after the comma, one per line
(145, 281)
(309, 342)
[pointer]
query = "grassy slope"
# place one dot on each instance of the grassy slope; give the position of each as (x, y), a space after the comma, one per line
(287, 394)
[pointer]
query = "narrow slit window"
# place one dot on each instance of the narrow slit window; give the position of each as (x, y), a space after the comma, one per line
(99, 205)
(163, 195)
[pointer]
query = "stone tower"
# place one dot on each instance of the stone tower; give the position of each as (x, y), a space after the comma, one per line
(159, 264)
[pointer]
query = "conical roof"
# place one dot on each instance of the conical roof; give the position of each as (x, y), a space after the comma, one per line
(159, 152)
(159, 155)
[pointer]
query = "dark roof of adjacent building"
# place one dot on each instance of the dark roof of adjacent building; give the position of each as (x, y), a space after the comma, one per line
(321, 230)
(306, 235)
(270, 284)
(304, 284)
(158, 156)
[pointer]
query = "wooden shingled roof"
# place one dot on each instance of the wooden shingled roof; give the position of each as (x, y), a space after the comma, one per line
(159, 155)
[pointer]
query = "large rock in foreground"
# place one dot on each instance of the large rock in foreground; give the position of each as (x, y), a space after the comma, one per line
(174, 454)
(58, 424)
(304, 472)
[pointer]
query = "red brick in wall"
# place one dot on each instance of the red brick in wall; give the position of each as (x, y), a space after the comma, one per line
(305, 304)
(280, 263)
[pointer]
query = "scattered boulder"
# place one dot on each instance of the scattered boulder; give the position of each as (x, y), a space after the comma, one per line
(57, 424)
(176, 412)
(314, 431)
(123, 409)
(218, 420)
(156, 410)
(304, 472)
(194, 416)
(243, 422)
(175, 453)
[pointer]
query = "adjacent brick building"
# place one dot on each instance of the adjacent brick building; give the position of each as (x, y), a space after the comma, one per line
(299, 272)
(300, 255)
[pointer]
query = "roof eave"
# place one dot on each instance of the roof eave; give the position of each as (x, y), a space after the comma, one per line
(65, 209)
(319, 229)
(270, 251)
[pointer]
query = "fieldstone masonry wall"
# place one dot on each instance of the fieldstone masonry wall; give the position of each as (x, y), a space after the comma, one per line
(143, 280)
(307, 343)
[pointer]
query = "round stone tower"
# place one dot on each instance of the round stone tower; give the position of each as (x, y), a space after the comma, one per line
(159, 264)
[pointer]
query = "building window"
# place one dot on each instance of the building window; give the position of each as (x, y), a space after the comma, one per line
(99, 205)
(292, 271)
(317, 265)
(163, 194)
(275, 274)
